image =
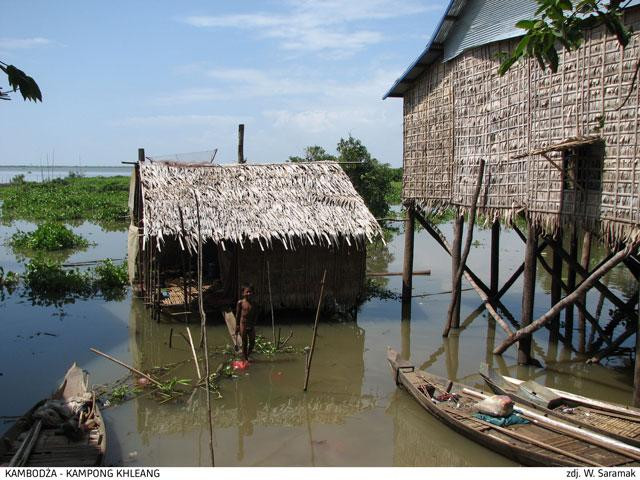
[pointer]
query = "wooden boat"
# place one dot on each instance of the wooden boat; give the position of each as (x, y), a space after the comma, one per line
(65, 430)
(543, 442)
(615, 421)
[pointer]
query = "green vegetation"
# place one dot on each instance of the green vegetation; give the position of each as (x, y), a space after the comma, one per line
(49, 236)
(47, 282)
(265, 347)
(18, 80)
(122, 393)
(372, 179)
(565, 22)
(98, 199)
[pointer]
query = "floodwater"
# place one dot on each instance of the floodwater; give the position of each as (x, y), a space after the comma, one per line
(352, 414)
(39, 173)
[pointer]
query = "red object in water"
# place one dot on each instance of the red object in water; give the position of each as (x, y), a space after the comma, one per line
(239, 364)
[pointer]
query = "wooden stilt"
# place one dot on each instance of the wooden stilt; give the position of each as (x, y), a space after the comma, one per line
(455, 294)
(407, 270)
(528, 293)
(556, 289)
(571, 283)
(495, 258)
(184, 269)
(315, 334)
(405, 336)
(636, 371)
(584, 262)
(572, 298)
(456, 251)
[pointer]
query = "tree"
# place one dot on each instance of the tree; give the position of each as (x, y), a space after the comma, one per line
(371, 179)
(564, 22)
(18, 80)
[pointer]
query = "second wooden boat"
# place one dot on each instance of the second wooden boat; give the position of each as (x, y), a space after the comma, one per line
(542, 442)
(65, 430)
(615, 421)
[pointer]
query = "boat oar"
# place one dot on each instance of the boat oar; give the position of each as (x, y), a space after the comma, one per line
(21, 457)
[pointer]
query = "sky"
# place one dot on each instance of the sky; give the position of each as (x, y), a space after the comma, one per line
(178, 77)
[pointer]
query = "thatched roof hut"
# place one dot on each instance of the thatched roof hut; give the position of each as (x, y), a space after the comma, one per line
(301, 218)
(560, 147)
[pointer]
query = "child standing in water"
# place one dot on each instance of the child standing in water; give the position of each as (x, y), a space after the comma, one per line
(245, 321)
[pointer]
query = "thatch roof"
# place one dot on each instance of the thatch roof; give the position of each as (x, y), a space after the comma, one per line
(308, 203)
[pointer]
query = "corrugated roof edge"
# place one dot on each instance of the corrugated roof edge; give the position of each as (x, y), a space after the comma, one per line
(416, 62)
(418, 65)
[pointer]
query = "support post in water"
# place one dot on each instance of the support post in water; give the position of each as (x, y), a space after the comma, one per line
(636, 371)
(456, 251)
(407, 271)
(273, 319)
(315, 333)
(571, 284)
(528, 292)
(556, 288)
(455, 295)
(495, 258)
(584, 261)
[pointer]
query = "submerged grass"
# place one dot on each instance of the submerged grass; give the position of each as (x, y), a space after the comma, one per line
(98, 199)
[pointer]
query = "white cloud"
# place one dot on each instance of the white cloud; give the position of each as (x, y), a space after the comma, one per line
(174, 120)
(23, 43)
(319, 25)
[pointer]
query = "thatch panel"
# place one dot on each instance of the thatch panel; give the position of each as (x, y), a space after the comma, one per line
(501, 119)
(428, 138)
(296, 275)
(307, 203)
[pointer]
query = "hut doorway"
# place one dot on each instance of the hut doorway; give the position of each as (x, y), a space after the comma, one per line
(582, 167)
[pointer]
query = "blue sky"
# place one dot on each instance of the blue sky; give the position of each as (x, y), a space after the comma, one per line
(176, 77)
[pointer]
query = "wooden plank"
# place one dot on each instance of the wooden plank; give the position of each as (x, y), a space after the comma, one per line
(230, 320)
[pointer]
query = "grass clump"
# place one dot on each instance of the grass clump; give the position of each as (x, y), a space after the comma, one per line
(47, 278)
(111, 280)
(49, 236)
(97, 199)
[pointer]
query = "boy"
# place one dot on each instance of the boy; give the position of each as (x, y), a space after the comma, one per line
(245, 321)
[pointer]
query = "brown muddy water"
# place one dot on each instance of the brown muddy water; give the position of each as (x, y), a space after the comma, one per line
(352, 415)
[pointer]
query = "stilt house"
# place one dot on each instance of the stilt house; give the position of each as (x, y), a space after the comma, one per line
(277, 227)
(560, 148)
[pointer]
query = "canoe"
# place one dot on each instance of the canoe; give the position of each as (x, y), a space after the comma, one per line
(64, 430)
(615, 421)
(543, 442)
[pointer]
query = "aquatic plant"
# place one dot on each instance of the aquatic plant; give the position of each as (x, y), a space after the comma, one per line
(122, 393)
(49, 236)
(9, 280)
(46, 278)
(111, 279)
(99, 199)
(267, 348)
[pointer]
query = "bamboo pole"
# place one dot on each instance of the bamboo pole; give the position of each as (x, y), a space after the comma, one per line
(528, 293)
(128, 367)
(584, 262)
(571, 298)
(556, 288)
(203, 331)
(571, 283)
(241, 158)
(185, 296)
(407, 267)
(315, 333)
(465, 253)
(193, 351)
(495, 258)
(273, 320)
(456, 286)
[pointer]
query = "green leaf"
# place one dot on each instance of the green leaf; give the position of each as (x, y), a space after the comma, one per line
(526, 24)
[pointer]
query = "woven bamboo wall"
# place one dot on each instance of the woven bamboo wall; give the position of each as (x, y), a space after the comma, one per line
(296, 275)
(461, 111)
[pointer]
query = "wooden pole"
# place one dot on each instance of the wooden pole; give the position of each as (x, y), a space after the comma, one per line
(556, 288)
(584, 262)
(193, 351)
(456, 252)
(203, 331)
(455, 295)
(241, 158)
(407, 270)
(128, 367)
(636, 370)
(528, 292)
(571, 283)
(495, 258)
(185, 296)
(273, 319)
(315, 333)
(589, 282)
